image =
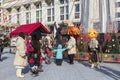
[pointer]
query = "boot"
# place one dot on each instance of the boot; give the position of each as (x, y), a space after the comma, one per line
(0, 57)
(95, 65)
(98, 65)
(40, 68)
(47, 61)
(19, 73)
(92, 66)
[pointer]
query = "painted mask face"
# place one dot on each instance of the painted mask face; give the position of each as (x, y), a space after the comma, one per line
(73, 30)
(93, 33)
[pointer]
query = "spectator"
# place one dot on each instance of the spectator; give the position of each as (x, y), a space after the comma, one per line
(71, 47)
(48, 48)
(34, 56)
(20, 60)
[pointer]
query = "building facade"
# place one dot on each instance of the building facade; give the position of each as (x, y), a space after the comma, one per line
(117, 13)
(98, 14)
(30, 11)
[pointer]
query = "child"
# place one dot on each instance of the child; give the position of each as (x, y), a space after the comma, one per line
(59, 56)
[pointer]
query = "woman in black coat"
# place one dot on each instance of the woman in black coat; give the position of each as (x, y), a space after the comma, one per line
(36, 55)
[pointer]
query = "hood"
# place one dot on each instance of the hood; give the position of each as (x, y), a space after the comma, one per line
(59, 46)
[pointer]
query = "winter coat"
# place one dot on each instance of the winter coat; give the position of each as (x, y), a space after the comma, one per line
(28, 45)
(20, 56)
(59, 52)
(71, 45)
(48, 41)
(93, 45)
(34, 56)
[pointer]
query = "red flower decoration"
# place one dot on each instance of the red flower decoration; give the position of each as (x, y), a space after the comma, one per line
(75, 56)
(107, 37)
(116, 59)
(84, 57)
(81, 47)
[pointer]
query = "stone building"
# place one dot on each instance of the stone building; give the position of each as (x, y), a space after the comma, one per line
(98, 14)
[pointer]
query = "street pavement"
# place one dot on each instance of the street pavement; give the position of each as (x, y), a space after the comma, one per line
(80, 70)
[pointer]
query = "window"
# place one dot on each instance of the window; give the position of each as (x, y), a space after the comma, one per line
(67, 12)
(117, 4)
(18, 18)
(64, 1)
(28, 15)
(38, 12)
(50, 14)
(118, 24)
(77, 11)
(9, 18)
(117, 15)
(38, 16)
(0, 17)
(64, 12)
(18, 14)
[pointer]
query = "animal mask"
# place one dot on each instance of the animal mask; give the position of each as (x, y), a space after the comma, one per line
(93, 33)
